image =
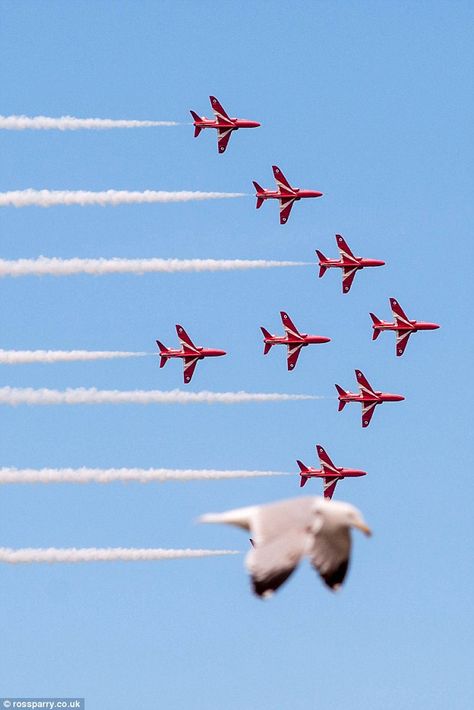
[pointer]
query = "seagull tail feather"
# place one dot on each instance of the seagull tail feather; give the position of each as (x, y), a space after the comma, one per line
(241, 517)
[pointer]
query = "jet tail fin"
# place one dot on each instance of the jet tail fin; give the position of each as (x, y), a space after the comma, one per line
(258, 189)
(303, 478)
(163, 351)
(266, 346)
(197, 129)
(376, 321)
(341, 393)
(322, 259)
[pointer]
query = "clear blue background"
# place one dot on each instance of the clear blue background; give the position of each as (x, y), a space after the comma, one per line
(372, 104)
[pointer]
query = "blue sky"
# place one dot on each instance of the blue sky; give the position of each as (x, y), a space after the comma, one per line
(368, 102)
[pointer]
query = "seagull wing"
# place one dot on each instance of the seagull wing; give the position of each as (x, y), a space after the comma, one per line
(330, 554)
(282, 536)
(272, 563)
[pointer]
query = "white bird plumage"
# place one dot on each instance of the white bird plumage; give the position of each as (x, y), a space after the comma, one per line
(284, 532)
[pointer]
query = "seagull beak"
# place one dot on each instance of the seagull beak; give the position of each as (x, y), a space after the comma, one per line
(365, 529)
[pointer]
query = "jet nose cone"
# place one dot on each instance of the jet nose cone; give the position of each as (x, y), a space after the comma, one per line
(400, 398)
(325, 340)
(220, 352)
(256, 124)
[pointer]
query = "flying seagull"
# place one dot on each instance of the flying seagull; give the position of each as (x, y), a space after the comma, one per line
(284, 532)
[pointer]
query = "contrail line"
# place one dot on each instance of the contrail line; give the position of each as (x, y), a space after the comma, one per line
(22, 357)
(112, 475)
(55, 266)
(70, 123)
(13, 396)
(29, 555)
(49, 198)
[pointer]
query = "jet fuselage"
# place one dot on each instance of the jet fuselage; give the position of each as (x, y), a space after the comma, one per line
(200, 355)
(378, 397)
(297, 195)
(341, 473)
(413, 327)
(236, 123)
(341, 264)
(303, 341)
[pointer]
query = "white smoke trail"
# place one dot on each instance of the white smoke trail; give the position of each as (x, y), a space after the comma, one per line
(13, 396)
(69, 123)
(55, 266)
(49, 198)
(112, 475)
(22, 357)
(29, 555)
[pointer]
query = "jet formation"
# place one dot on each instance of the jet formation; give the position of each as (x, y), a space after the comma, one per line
(292, 338)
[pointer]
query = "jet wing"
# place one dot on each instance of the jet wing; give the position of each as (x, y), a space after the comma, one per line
(185, 340)
(290, 329)
(293, 354)
(223, 137)
(189, 367)
(326, 463)
(219, 112)
(286, 203)
(365, 388)
(402, 341)
(398, 313)
(344, 250)
(330, 486)
(348, 275)
(282, 183)
(368, 409)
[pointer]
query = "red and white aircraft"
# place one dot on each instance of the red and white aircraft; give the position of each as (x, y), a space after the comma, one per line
(328, 471)
(368, 397)
(403, 326)
(284, 192)
(348, 262)
(189, 352)
(292, 338)
(223, 123)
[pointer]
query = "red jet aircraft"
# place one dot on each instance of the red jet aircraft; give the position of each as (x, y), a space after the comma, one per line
(284, 192)
(331, 473)
(189, 352)
(402, 326)
(348, 262)
(293, 339)
(367, 397)
(223, 123)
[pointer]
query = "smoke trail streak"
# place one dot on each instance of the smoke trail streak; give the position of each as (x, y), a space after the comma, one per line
(22, 357)
(112, 475)
(13, 396)
(70, 123)
(49, 198)
(54, 266)
(29, 555)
